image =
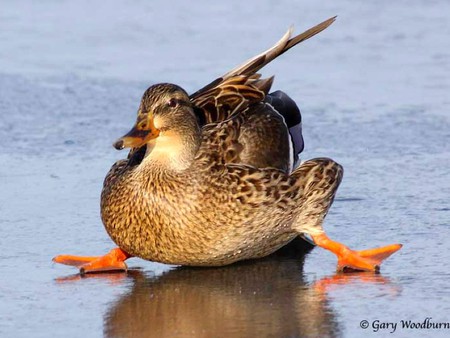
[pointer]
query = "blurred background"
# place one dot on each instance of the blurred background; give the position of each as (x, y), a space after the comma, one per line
(373, 91)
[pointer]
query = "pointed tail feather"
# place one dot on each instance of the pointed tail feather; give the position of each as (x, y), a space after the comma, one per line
(253, 65)
(283, 45)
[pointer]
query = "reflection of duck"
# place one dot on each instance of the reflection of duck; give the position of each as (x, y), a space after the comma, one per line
(224, 192)
(263, 298)
(269, 297)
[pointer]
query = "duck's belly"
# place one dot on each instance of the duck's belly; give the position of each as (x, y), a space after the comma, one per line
(190, 226)
(202, 254)
(172, 237)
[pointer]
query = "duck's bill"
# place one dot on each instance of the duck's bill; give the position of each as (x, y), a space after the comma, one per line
(136, 138)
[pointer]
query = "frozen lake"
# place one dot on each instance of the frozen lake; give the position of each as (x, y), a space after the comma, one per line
(374, 94)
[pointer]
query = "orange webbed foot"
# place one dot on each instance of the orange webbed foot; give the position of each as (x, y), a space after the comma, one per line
(364, 260)
(112, 261)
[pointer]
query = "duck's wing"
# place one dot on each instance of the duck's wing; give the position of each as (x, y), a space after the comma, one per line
(242, 86)
(287, 108)
(229, 96)
(220, 143)
(256, 137)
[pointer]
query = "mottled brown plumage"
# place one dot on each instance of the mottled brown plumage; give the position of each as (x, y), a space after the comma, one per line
(214, 210)
(210, 178)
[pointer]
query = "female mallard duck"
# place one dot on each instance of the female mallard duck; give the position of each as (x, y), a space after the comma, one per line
(210, 178)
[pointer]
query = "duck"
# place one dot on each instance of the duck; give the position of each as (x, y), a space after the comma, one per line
(214, 178)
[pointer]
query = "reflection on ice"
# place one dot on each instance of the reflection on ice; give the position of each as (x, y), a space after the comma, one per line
(268, 297)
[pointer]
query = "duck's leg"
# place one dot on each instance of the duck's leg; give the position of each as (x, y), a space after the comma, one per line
(112, 261)
(319, 180)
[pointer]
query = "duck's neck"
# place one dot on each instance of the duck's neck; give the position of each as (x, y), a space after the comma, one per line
(175, 149)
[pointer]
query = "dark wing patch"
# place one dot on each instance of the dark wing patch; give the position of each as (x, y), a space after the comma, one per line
(287, 107)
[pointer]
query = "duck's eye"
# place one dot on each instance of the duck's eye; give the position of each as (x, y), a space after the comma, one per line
(172, 102)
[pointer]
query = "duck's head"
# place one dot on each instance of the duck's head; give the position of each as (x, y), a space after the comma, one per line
(165, 109)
